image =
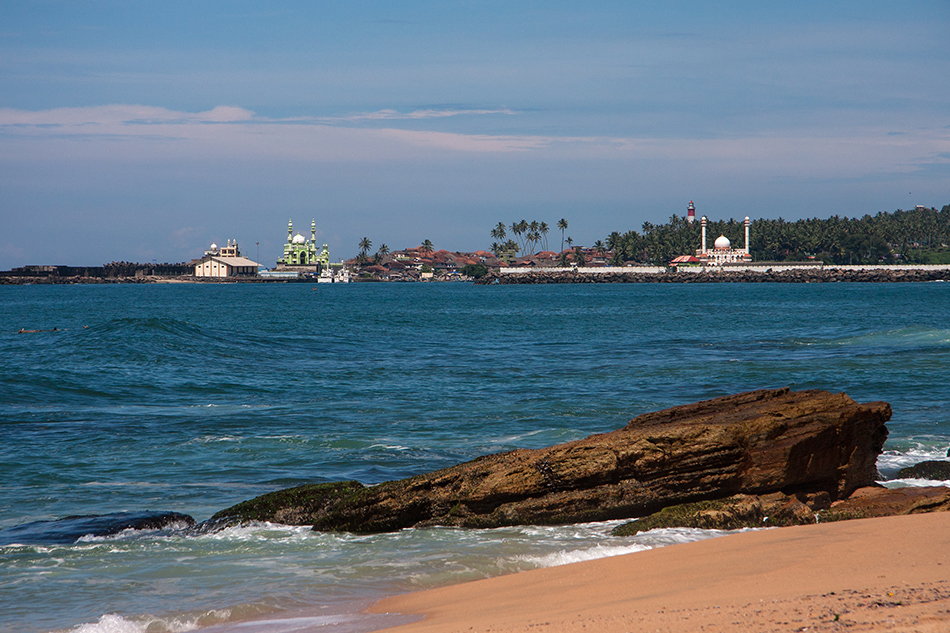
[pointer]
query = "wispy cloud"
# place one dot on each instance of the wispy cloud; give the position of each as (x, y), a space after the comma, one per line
(226, 126)
(110, 115)
(149, 115)
(415, 115)
(145, 133)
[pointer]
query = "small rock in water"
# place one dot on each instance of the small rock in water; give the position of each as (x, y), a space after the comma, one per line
(71, 529)
(936, 470)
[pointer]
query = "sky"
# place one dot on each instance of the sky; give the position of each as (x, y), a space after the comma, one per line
(141, 131)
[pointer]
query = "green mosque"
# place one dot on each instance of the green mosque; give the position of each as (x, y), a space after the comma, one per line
(301, 252)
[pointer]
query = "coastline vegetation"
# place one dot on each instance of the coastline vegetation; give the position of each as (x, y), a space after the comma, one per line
(917, 236)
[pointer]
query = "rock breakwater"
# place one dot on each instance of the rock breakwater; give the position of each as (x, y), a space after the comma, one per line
(723, 275)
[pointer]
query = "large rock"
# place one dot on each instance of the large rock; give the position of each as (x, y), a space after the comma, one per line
(757, 442)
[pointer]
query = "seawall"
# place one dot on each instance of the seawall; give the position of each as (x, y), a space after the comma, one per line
(729, 274)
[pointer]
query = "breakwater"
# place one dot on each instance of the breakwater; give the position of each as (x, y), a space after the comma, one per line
(867, 274)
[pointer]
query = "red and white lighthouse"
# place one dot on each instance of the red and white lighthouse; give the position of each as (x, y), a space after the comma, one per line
(690, 213)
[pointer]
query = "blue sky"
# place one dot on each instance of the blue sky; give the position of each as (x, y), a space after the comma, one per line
(139, 131)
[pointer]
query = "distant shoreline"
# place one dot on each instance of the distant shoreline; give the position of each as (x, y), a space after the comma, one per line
(780, 272)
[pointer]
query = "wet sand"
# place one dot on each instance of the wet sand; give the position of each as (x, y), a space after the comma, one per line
(886, 574)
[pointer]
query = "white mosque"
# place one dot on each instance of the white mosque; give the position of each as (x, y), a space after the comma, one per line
(722, 251)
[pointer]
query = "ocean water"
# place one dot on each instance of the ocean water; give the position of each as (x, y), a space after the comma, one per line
(190, 398)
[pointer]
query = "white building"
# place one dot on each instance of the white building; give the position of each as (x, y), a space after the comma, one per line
(722, 251)
(224, 262)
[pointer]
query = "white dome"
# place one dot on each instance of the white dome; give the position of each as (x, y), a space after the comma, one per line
(214, 246)
(722, 242)
(299, 239)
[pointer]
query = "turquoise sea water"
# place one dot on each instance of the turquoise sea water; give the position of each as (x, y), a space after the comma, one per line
(191, 398)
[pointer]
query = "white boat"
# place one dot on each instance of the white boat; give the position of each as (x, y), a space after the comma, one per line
(326, 276)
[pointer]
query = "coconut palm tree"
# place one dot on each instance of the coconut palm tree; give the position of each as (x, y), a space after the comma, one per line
(579, 257)
(519, 229)
(499, 232)
(427, 247)
(365, 245)
(562, 224)
(614, 241)
(543, 229)
(534, 238)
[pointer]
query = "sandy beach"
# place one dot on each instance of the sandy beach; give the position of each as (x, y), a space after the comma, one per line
(886, 574)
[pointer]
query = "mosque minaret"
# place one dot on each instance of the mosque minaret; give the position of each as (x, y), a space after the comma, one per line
(722, 251)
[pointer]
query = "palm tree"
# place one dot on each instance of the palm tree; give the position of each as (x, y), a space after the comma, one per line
(365, 245)
(579, 257)
(520, 228)
(499, 232)
(562, 224)
(570, 242)
(427, 247)
(614, 241)
(534, 238)
(543, 229)
(599, 245)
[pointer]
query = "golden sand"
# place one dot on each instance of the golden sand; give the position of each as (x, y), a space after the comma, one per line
(886, 574)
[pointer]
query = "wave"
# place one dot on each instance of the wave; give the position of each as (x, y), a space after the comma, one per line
(912, 337)
(114, 623)
(913, 452)
(85, 528)
(915, 483)
(566, 557)
(231, 620)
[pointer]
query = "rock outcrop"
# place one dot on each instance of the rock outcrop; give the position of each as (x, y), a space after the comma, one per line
(779, 510)
(809, 444)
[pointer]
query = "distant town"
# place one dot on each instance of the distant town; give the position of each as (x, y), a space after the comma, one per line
(916, 237)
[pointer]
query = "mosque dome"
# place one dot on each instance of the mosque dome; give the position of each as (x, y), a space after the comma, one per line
(722, 242)
(214, 246)
(299, 239)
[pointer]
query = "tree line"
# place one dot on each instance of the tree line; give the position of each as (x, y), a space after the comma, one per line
(526, 237)
(917, 236)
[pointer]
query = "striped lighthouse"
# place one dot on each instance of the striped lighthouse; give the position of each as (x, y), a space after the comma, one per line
(690, 213)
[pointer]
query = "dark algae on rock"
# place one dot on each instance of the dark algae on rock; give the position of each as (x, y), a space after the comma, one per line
(808, 445)
(301, 505)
